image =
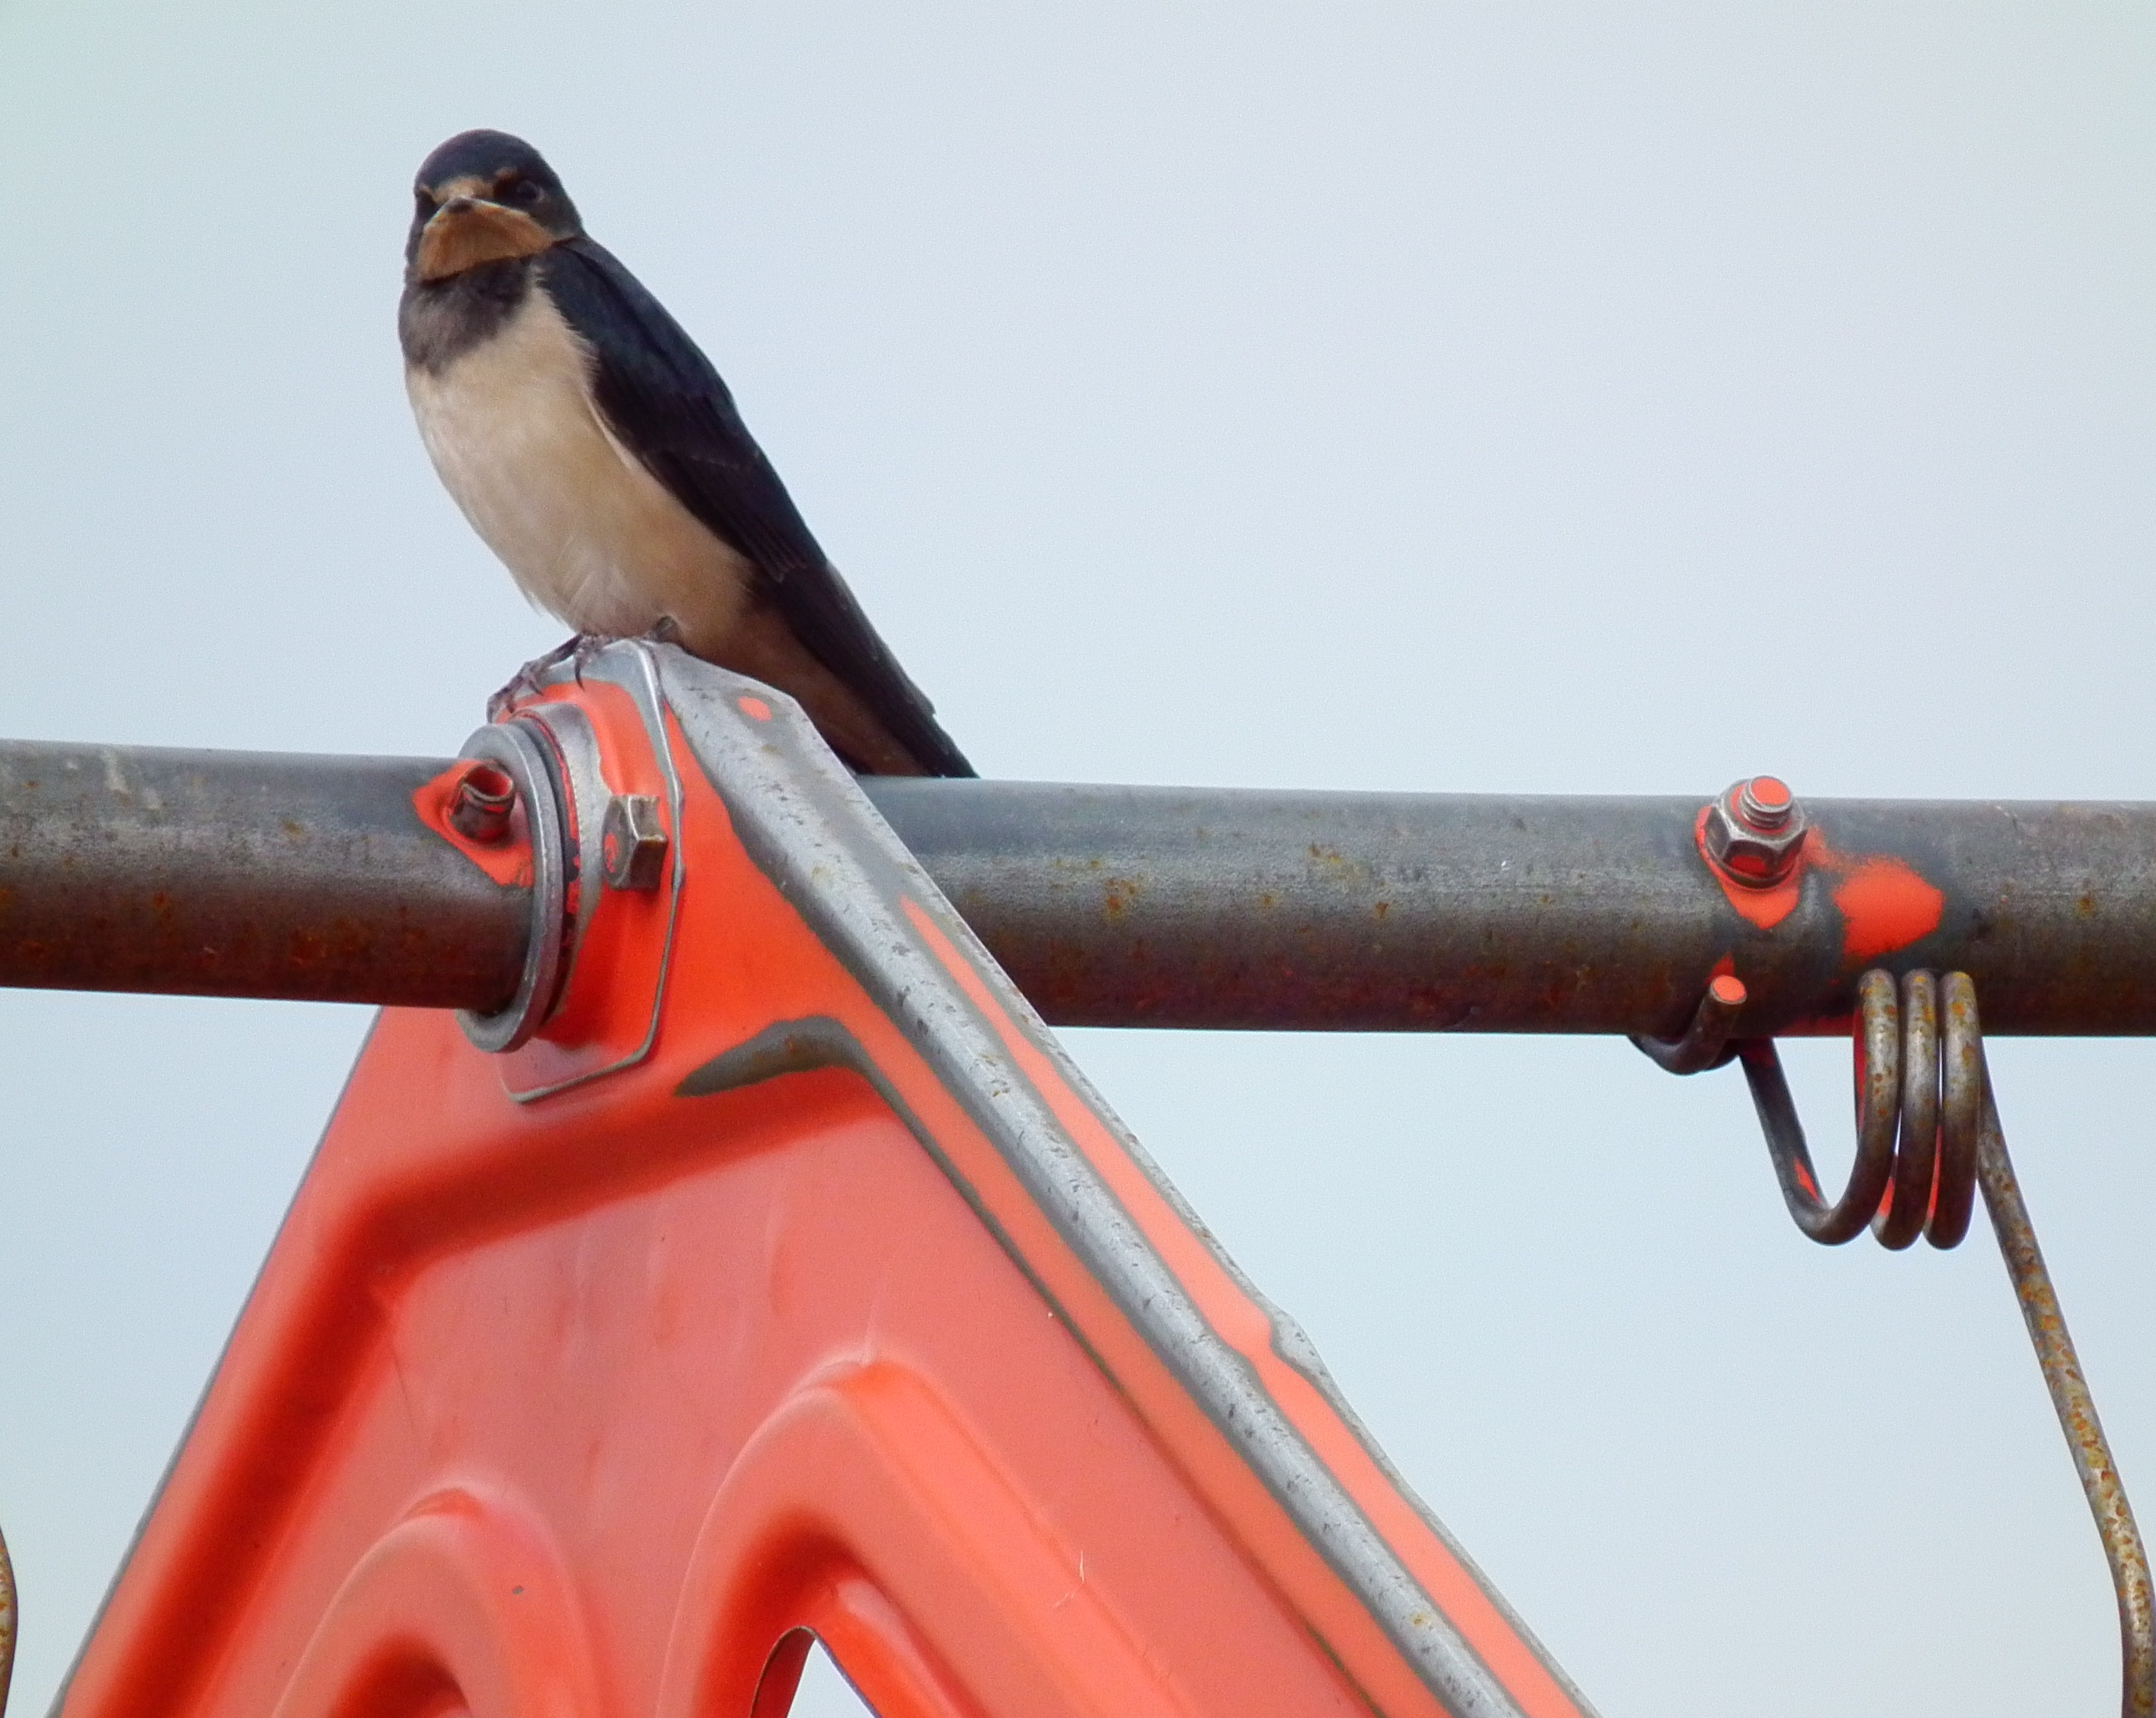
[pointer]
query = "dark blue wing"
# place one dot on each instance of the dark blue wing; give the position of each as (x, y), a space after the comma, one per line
(666, 404)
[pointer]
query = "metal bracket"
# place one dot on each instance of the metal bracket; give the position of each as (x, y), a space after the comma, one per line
(543, 1067)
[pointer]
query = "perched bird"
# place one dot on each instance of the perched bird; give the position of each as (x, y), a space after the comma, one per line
(598, 453)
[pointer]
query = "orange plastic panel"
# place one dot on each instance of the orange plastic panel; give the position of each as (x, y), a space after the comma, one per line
(838, 1303)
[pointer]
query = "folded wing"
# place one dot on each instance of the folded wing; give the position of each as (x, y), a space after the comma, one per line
(667, 405)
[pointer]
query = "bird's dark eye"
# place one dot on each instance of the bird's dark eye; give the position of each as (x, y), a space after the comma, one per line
(425, 198)
(529, 191)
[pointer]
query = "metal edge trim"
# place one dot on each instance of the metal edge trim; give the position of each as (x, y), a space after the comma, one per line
(805, 822)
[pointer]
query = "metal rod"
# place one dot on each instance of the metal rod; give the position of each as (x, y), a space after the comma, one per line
(240, 873)
(253, 874)
(1125, 906)
(1705, 1044)
(2077, 1410)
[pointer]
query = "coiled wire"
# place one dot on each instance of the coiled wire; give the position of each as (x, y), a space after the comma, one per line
(1928, 1138)
(1919, 1097)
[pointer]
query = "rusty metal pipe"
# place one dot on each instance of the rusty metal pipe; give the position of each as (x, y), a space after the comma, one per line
(242, 873)
(235, 873)
(1155, 906)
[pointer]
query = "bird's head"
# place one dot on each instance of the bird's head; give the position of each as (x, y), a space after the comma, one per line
(485, 196)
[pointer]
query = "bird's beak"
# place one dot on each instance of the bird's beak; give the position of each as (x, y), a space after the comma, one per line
(467, 231)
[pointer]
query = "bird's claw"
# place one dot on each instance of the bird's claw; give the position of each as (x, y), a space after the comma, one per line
(529, 681)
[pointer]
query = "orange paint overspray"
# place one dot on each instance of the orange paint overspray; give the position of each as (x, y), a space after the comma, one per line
(1885, 905)
(1885, 902)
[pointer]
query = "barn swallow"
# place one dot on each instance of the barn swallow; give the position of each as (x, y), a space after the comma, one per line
(596, 451)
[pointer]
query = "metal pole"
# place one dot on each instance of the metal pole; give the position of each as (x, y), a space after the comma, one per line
(240, 873)
(232, 874)
(1124, 906)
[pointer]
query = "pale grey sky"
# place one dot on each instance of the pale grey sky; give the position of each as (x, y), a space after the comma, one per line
(1590, 398)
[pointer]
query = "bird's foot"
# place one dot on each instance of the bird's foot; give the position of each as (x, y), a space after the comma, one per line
(529, 681)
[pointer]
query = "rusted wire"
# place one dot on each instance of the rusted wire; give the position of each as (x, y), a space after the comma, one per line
(2077, 1410)
(1706, 1042)
(7, 1623)
(1918, 1091)
(1928, 1137)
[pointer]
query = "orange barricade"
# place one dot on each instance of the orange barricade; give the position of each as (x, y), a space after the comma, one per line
(789, 1280)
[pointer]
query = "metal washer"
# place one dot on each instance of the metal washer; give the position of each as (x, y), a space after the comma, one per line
(516, 745)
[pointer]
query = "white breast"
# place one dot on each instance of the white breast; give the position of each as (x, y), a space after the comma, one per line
(590, 537)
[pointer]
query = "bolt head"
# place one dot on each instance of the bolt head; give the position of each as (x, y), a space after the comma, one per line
(633, 841)
(1756, 832)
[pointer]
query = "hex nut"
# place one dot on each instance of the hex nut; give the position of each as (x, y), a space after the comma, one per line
(633, 841)
(1755, 832)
